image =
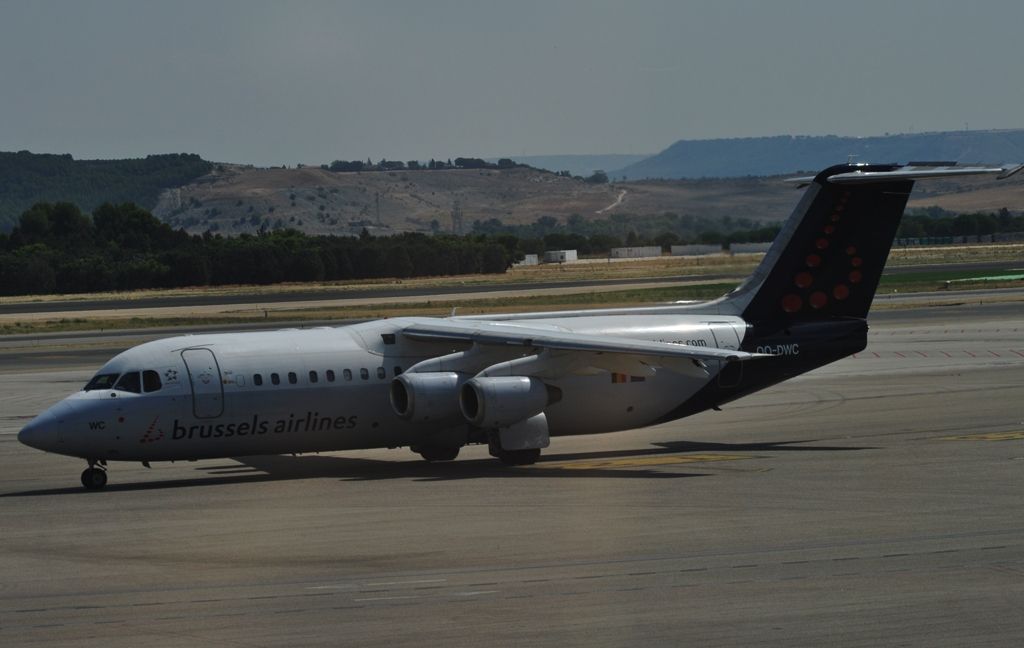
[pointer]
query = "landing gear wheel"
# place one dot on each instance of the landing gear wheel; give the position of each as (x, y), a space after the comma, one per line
(94, 478)
(519, 457)
(438, 453)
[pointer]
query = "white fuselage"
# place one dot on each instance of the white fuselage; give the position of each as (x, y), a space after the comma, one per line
(322, 389)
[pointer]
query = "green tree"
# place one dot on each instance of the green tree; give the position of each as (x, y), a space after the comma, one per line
(400, 263)
(495, 259)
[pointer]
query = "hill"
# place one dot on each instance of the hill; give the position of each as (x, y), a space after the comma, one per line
(760, 156)
(236, 199)
(315, 200)
(27, 178)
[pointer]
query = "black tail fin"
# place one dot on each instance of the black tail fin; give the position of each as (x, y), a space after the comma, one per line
(807, 302)
(828, 258)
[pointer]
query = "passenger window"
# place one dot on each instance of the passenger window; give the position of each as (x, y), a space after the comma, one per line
(364, 373)
(330, 375)
(129, 382)
(347, 373)
(313, 377)
(292, 378)
(257, 379)
(151, 380)
(274, 378)
(382, 373)
(398, 371)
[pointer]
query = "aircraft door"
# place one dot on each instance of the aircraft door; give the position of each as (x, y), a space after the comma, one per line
(207, 388)
(726, 337)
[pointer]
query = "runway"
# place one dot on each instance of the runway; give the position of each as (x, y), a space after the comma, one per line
(873, 502)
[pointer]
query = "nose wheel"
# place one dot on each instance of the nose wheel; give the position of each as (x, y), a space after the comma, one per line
(94, 478)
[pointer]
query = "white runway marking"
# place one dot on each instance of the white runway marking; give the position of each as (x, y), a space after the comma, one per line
(478, 593)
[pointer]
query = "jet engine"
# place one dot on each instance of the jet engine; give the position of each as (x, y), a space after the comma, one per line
(502, 401)
(421, 397)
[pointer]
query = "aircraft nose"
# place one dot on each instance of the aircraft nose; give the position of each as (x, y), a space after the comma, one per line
(42, 432)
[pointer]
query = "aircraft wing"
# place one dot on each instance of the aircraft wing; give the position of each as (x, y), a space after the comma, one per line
(504, 334)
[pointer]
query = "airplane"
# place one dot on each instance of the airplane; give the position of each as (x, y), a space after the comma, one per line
(436, 385)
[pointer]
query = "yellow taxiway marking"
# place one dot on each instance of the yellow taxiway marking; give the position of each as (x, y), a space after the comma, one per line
(991, 436)
(633, 462)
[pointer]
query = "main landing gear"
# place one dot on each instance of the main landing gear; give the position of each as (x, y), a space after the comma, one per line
(526, 457)
(523, 457)
(94, 478)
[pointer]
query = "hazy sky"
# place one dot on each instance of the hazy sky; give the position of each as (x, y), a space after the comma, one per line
(287, 82)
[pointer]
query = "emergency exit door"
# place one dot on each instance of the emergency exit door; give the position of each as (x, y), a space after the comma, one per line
(207, 388)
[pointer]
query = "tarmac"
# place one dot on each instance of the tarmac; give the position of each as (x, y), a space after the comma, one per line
(873, 502)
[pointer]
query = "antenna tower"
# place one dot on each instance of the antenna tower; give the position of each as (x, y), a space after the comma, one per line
(457, 217)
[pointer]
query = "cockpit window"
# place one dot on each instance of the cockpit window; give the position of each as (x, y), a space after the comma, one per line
(129, 382)
(102, 381)
(151, 381)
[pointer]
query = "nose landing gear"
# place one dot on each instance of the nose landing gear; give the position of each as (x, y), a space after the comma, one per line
(94, 478)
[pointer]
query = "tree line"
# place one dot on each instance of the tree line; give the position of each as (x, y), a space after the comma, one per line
(936, 222)
(55, 248)
(599, 235)
(350, 166)
(28, 178)
(358, 166)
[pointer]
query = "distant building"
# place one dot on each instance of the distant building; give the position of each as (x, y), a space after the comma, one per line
(529, 260)
(635, 252)
(559, 256)
(960, 240)
(1008, 236)
(696, 250)
(748, 248)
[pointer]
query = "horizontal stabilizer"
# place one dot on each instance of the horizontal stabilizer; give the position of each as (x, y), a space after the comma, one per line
(911, 172)
(919, 173)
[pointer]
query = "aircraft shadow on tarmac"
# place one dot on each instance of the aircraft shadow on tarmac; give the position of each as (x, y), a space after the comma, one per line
(287, 467)
(701, 446)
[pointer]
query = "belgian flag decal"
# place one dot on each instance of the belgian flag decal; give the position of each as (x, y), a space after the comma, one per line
(624, 378)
